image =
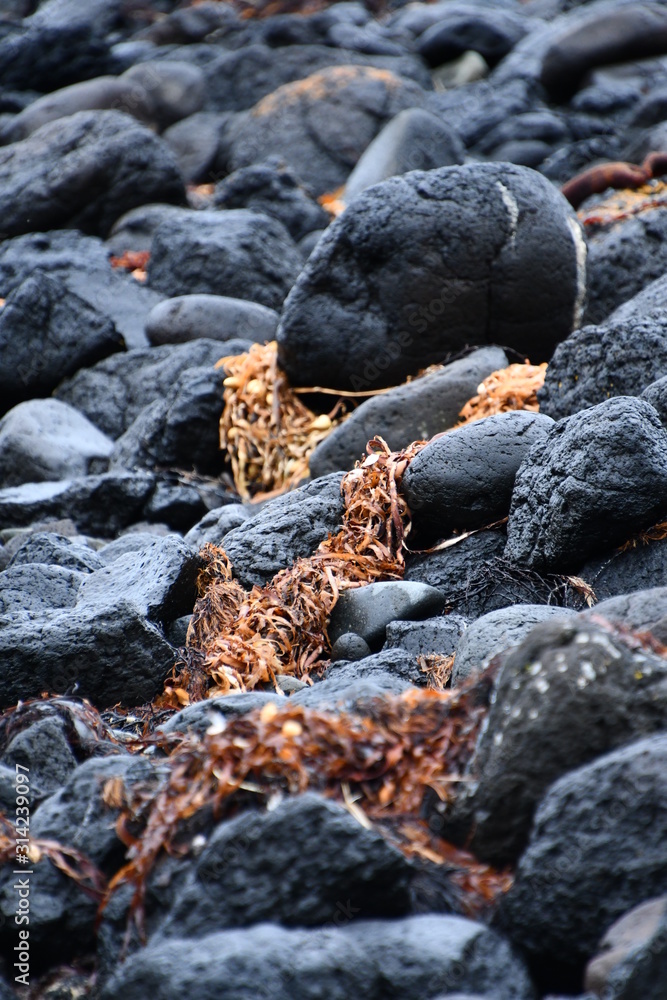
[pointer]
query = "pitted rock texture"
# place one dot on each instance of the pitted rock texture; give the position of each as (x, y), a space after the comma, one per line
(420, 266)
(597, 477)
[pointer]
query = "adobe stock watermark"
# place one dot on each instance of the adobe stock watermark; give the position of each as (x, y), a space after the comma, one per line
(23, 873)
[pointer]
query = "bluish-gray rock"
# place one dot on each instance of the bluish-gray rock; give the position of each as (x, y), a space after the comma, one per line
(215, 317)
(368, 610)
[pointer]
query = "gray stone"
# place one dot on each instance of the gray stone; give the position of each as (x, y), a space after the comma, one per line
(38, 587)
(107, 654)
(180, 431)
(656, 395)
(216, 524)
(114, 392)
(464, 479)
(349, 646)
(83, 172)
(46, 334)
(596, 850)
(435, 635)
(496, 633)
(237, 253)
(215, 317)
(622, 260)
(171, 89)
(100, 505)
(56, 550)
(641, 611)
(631, 961)
(158, 579)
(195, 142)
(321, 125)
(271, 866)
(597, 477)
(46, 439)
(640, 567)
(134, 231)
(62, 917)
(285, 529)
(352, 686)
(415, 139)
(43, 749)
(196, 719)
(421, 266)
(82, 264)
(569, 693)
(274, 189)
(368, 610)
(417, 955)
(402, 664)
(412, 412)
(490, 32)
(598, 362)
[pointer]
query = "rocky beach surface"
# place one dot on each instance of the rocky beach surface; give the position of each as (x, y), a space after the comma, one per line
(333, 500)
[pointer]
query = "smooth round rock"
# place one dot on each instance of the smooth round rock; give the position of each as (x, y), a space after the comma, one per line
(420, 266)
(368, 610)
(350, 646)
(216, 317)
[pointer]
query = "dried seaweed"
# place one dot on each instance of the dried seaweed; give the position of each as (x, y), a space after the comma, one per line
(133, 261)
(68, 860)
(267, 432)
(378, 765)
(511, 388)
(237, 641)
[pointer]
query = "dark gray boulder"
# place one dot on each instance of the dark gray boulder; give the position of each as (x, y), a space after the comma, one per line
(81, 263)
(196, 719)
(86, 649)
(114, 392)
(214, 317)
(631, 960)
(273, 188)
(656, 395)
(171, 89)
(56, 550)
(33, 588)
(491, 32)
(439, 635)
(100, 505)
(351, 686)
(179, 431)
(83, 172)
(45, 439)
(597, 477)
(497, 632)
(402, 665)
(62, 916)
(412, 412)
(285, 529)
(368, 610)
(238, 80)
(570, 692)
(320, 126)
(598, 362)
(596, 850)
(43, 749)
(158, 579)
(624, 571)
(416, 139)
(628, 32)
(623, 258)
(642, 611)
(216, 524)
(422, 265)
(416, 955)
(46, 334)
(238, 253)
(464, 479)
(270, 866)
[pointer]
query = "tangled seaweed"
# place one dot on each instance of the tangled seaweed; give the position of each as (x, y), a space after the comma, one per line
(378, 764)
(238, 640)
(511, 388)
